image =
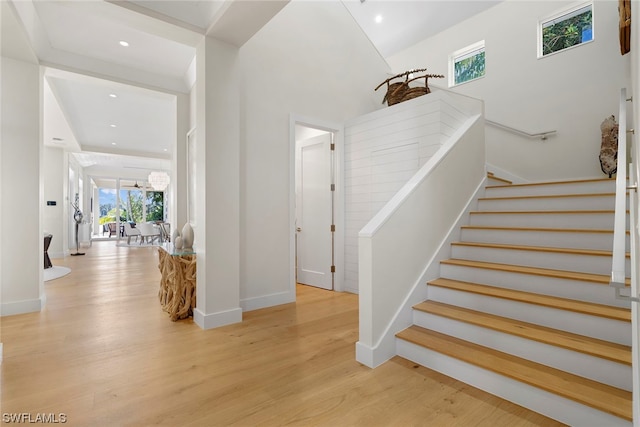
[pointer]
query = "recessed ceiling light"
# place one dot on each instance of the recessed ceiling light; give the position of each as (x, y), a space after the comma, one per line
(378, 19)
(113, 95)
(113, 126)
(166, 149)
(124, 43)
(113, 143)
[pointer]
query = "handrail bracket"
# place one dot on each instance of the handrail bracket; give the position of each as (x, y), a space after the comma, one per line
(621, 296)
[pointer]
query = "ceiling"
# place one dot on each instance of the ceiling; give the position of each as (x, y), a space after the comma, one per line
(79, 44)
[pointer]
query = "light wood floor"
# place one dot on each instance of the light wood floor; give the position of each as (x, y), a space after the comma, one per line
(103, 353)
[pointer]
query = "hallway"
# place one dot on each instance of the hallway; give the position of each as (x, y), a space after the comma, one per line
(102, 352)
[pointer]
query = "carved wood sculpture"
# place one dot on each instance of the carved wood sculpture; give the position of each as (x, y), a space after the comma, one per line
(177, 292)
(401, 91)
(624, 8)
(609, 146)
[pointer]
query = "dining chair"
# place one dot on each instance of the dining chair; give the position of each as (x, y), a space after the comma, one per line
(148, 232)
(130, 232)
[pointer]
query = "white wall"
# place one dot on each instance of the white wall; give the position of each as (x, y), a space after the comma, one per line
(383, 150)
(571, 92)
(21, 247)
(21, 285)
(53, 173)
(404, 240)
(217, 223)
(310, 60)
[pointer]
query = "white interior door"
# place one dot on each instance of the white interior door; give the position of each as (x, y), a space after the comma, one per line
(314, 211)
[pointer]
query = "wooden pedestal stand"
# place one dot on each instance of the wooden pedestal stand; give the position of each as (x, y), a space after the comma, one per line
(178, 283)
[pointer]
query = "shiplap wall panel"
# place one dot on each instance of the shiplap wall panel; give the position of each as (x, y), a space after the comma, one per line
(383, 150)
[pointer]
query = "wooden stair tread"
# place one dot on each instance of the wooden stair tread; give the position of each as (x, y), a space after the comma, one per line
(549, 196)
(592, 346)
(600, 310)
(579, 181)
(546, 272)
(575, 212)
(538, 229)
(591, 393)
(491, 175)
(576, 251)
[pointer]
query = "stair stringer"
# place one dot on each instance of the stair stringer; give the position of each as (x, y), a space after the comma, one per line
(385, 348)
(536, 399)
(502, 173)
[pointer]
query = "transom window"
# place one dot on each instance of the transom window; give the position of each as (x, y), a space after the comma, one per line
(567, 28)
(467, 64)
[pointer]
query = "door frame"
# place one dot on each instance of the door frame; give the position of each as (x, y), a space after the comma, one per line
(338, 244)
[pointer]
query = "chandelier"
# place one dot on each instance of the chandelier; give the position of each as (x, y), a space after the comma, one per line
(159, 180)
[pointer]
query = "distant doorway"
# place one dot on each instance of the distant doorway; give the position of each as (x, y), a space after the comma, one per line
(316, 204)
(315, 189)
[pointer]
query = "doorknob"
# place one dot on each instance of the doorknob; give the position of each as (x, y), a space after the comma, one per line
(298, 229)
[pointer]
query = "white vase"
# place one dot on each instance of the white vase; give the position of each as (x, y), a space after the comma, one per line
(187, 236)
(177, 243)
(175, 235)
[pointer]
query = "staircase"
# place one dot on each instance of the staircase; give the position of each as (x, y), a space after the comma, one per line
(523, 308)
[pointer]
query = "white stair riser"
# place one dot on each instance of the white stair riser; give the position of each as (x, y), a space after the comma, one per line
(533, 398)
(595, 264)
(606, 202)
(584, 365)
(554, 239)
(592, 221)
(572, 289)
(549, 189)
(578, 323)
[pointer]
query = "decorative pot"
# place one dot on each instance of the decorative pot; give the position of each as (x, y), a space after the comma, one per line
(177, 243)
(187, 236)
(175, 235)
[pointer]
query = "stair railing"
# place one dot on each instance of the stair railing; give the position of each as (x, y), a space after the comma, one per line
(542, 135)
(618, 279)
(618, 276)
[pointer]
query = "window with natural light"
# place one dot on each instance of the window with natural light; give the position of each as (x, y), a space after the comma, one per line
(467, 64)
(565, 29)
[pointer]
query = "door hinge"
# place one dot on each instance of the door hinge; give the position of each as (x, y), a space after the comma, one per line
(333, 228)
(333, 187)
(333, 268)
(333, 146)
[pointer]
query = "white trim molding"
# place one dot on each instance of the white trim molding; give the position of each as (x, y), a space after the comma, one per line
(215, 320)
(21, 307)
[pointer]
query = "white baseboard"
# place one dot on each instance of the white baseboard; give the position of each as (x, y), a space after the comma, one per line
(270, 300)
(0, 353)
(55, 255)
(21, 307)
(352, 290)
(215, 320)
(371, 357)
